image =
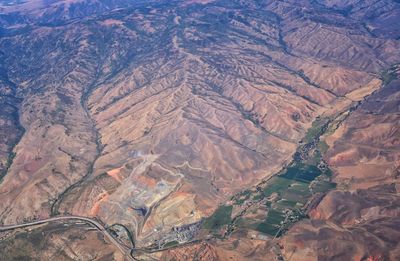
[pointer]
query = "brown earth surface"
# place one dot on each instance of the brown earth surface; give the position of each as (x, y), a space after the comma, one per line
(150, 114)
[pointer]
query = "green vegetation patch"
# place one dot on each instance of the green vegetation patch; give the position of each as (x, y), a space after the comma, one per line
(302, 172)
(277, 185)
(242, 197)
(284, 203)
(317, 128)
(322, 146)
(267, 228)
(272, 223)
(171, 244)
(221, 217)
(297, 196)
(275, 217)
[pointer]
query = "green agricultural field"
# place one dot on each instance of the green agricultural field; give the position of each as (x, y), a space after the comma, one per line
(267, 228)
(272, 223)
(275, 217)
(221, 217)
(171, 244)
(277, 184)
(302, 172)
(284, 203)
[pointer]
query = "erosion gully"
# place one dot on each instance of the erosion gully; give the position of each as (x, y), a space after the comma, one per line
(306, 167)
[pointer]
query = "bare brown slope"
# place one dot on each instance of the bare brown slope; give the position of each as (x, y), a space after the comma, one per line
(195, 130)
(131, 111)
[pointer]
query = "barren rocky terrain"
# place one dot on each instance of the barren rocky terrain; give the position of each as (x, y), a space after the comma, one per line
(159, 117)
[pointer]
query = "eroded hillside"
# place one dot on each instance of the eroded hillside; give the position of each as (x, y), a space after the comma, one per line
(148, 115)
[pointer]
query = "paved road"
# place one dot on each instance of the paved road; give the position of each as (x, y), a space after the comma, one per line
(93, 222)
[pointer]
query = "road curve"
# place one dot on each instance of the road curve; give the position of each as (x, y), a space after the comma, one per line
(93, 222)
